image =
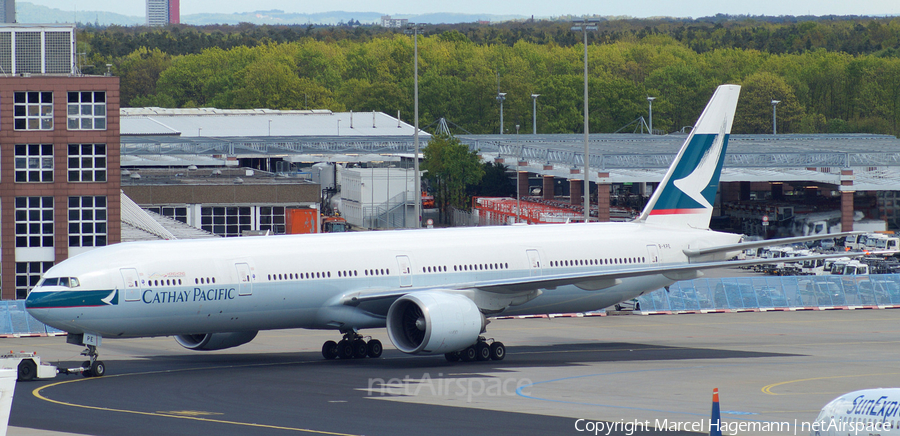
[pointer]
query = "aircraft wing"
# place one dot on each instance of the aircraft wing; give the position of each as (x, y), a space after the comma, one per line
(377, 301)
(764, 243)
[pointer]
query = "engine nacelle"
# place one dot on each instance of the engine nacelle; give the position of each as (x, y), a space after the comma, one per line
(214, 341)
(434, 322)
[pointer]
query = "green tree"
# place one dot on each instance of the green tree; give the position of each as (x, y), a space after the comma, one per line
(450, 168)
(495, 183)
(754, 110)
(139, 72)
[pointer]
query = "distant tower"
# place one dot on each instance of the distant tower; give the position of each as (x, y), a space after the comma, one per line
(163, 12)
(174, 11)
(7, 11)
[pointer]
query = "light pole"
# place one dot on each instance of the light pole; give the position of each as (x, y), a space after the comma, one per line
(583, 26)
(534, 112)
(518, 184)
(413, 28)
(650, 100)
(774, 112)
(500, 97)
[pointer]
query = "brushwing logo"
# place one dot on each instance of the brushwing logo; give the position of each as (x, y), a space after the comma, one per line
(698, 180)
(111, 299)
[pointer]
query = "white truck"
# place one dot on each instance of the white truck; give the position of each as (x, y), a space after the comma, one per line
(850, 268)
(28, 365)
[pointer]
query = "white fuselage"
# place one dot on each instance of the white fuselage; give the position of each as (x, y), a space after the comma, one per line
(303, 281)
(865, 412)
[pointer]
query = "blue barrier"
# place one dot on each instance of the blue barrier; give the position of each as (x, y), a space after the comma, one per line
(14, 320)
(789, 292)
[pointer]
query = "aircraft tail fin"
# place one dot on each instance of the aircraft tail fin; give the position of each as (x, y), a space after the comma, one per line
(686, 194)
(715, 420)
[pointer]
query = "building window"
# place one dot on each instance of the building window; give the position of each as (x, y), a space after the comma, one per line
(87, 221)
(27, 276)
(87, 110)
(177, 213)
(34, 162)
(272, 218)
(226, 221)
(34, 221)
(87, 162)
(33, 110)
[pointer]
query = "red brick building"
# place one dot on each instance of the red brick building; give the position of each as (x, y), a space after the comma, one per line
(59, 172)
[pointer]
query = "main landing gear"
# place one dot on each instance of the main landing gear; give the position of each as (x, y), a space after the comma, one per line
(483, 350)
(353, 346)
(93, 367)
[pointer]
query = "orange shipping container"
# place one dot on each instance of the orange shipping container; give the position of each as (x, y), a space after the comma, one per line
(301, 221)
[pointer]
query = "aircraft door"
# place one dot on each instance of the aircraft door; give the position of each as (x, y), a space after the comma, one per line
(245, 285)
(653, 251)
(534, 262)
(132, 284)
(405, 268)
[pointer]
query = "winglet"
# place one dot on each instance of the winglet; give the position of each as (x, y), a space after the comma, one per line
(715, 421)
(687, 192)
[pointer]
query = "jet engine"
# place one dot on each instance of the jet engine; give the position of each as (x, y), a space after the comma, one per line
(434, 322)
(214, 341)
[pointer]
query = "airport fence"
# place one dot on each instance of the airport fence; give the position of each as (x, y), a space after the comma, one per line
(15, 321)
(766, 293)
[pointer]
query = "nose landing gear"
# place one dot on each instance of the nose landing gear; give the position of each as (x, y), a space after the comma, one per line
(92, 367)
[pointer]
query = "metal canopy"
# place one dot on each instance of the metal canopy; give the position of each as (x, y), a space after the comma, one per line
(268, 145)
(608, 151)
(633, 151)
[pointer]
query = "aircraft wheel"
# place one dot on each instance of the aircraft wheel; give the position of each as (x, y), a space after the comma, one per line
(98, 369)
(344, 350)
(27, 370)
(374, 348)
(482, 351)
(498, 351)
(359, 348)
(468, 354)
(87, 368)
(452, 357)
(329, 350)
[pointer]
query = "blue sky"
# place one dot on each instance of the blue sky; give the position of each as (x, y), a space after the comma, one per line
(635, 8)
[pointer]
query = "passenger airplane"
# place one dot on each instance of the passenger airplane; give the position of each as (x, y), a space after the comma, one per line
(865, 412)
(432, 289)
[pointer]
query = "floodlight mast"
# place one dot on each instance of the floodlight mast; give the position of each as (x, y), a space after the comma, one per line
(584, 26)
(413, 28)
(774, 112)
(501, 96)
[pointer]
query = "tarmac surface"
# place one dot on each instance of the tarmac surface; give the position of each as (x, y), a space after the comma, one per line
(637, 372)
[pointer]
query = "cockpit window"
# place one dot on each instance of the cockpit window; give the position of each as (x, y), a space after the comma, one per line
(69, 282)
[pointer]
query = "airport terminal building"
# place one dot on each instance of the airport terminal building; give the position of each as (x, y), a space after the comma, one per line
(59, 168)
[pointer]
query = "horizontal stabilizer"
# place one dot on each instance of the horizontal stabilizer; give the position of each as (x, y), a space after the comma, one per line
(764, 243)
